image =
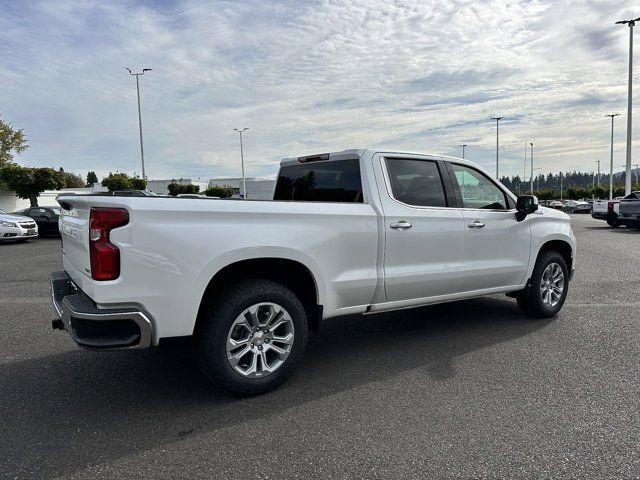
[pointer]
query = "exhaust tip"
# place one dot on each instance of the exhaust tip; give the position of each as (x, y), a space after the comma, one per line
(57, 324)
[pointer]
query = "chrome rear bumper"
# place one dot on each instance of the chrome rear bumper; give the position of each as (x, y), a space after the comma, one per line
(96, 328)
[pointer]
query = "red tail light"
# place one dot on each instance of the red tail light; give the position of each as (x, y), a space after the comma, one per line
(610, 206)
(105, 256)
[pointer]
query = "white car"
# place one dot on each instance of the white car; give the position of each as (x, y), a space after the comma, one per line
(17, 227)
(353, 232)
(577, 206)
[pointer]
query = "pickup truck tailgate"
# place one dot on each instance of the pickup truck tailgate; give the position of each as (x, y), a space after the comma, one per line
(74, 232)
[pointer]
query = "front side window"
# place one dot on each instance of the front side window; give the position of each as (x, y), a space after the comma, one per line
(416, 182)
(328, 181)
(477, 190)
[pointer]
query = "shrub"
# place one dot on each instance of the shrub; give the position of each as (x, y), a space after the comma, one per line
(222, 191)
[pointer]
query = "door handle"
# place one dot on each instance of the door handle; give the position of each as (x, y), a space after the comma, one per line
(475, 224)
(402, 225)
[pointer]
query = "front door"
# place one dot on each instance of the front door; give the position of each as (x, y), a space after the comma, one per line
(424, 236)
(497, 246)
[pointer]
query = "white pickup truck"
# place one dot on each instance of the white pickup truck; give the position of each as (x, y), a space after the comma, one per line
(608, 210)
(353, 232)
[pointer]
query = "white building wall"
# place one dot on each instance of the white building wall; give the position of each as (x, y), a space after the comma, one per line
(257, 188)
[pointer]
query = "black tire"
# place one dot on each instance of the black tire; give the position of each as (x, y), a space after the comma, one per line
(530, 300)
(22, 240)
(217, 319)
(613, 223)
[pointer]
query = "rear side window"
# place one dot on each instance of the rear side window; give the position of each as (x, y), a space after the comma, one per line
(416, 182)
(337, 181)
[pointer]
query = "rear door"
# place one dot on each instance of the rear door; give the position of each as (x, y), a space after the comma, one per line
(424, 232)
(497, 246)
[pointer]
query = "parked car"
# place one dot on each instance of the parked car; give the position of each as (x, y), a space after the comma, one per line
(557, 204)
(353, 232)
(630, 210)
(16, 227)
(576, 206)
(45, 217)
(607, 210)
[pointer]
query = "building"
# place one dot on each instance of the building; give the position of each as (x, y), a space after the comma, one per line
(258, 188)
(160, 186)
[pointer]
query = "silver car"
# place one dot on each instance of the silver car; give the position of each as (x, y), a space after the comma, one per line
(17, 227)
(577, 206)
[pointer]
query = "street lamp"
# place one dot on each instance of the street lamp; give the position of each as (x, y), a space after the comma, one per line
(497, 119)
(463, 147)
(244, 183)
(537, 178)
(598, 162)
(137, 75)
(531, 167)
(630, 23)
(612, 115)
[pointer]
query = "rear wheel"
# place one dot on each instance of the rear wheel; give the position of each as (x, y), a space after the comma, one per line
(549, 286)
(252, 336)
(613, 223)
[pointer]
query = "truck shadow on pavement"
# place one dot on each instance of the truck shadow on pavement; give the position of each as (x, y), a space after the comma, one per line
(79, 409)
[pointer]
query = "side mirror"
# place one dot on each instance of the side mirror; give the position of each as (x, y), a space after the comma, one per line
(526, 205)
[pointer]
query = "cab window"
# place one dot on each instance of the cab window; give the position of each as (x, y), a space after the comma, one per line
(476, 190)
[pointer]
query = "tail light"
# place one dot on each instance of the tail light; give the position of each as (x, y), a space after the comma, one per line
(610, 206)
(105, 256)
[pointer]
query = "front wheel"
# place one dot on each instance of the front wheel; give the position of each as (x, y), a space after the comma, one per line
(549, 286)
(252, 336)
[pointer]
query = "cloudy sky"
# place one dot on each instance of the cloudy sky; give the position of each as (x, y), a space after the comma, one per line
(312, 76)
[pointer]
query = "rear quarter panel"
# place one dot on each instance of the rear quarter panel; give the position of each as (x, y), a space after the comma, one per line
(172, 248)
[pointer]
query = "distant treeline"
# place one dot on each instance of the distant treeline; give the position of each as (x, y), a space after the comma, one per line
(575, 185)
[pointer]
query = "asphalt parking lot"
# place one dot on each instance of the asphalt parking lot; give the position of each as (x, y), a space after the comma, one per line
(470, 389)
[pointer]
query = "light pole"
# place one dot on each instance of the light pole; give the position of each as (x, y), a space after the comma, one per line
(635, 165)
(537, 179)
(524, 172)
(497, 119)
(137, 75)
(463, 147)
(531, 168)
(244, 183)
(612, 115)
(630, 23)
(598, 162)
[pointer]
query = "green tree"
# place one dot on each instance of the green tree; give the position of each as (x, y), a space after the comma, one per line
(222, 191)
(92, 179)
(71, 180)
(31, 182)
(138, 183)
(117, 181)
(176, 189)
(11, 142)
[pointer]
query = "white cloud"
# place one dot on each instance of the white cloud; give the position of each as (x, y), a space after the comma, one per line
(312, 76)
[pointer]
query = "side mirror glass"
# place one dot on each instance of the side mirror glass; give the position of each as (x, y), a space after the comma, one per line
(526, 205)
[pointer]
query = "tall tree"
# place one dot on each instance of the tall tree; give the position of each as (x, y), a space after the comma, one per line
(11, 142)
(92, 179)
(31, 182)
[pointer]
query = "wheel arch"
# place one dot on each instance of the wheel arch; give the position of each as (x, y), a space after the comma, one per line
(563, 247)
(291, 273)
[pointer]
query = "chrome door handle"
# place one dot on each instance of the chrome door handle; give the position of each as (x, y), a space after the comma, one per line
(475, 224)
(402, 225)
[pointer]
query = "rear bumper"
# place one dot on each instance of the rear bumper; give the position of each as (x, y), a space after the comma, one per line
(604, 215)
(96, 328)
